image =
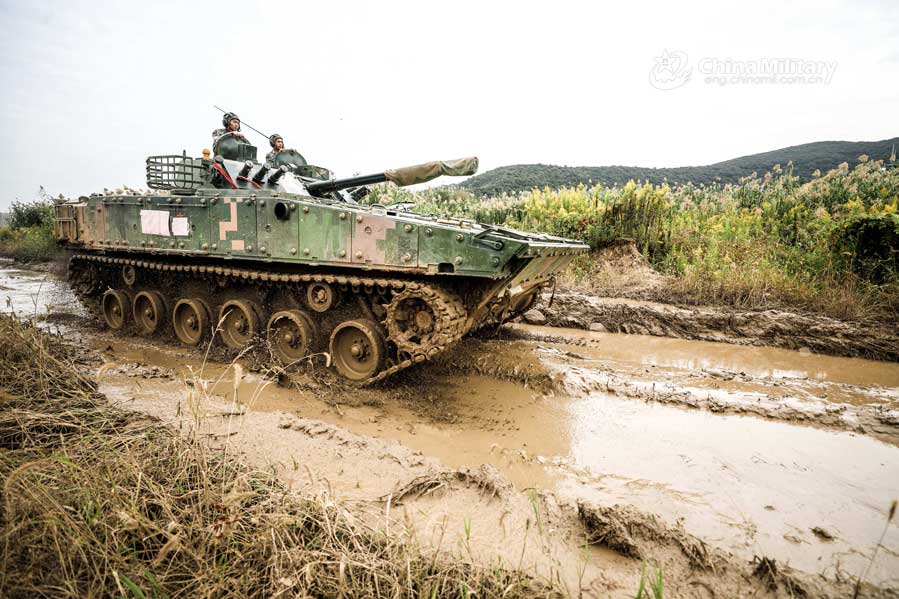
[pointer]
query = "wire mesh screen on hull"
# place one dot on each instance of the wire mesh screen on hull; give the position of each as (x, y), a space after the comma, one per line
(175, 172)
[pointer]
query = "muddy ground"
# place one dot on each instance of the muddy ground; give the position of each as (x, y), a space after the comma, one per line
(774, 328)
(572, 454)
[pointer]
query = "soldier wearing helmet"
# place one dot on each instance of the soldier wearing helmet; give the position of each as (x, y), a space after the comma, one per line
(231, 124)
(277, 143)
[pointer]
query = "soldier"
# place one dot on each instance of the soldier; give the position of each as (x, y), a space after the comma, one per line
(231, 124)
(277, 143)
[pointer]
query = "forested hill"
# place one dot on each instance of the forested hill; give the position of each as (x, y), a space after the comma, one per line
(821, 155)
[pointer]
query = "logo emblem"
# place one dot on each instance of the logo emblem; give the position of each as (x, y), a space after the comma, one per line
(670, 71)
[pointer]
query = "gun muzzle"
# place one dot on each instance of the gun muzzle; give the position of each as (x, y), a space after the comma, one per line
(259, 177)
(279, 172)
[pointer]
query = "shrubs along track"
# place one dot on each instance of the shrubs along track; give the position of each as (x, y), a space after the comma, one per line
(99, 501)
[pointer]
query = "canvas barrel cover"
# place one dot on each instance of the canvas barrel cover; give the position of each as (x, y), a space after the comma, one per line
(422, 173)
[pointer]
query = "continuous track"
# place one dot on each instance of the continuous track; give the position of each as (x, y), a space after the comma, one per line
(451, 316)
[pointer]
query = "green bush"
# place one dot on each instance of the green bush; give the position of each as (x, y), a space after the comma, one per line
(871, 243)
(24, 215)
(30, 235)
(29, 244)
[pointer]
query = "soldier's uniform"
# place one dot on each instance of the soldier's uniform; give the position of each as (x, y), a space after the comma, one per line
(270, 157)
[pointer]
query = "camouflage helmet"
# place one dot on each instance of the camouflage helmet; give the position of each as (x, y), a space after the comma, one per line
(228, 117)
(273, 138)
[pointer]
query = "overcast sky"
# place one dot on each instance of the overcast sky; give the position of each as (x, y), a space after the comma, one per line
(89, 89)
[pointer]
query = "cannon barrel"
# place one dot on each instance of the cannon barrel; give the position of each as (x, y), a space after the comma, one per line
(325, 187)
(409, 175)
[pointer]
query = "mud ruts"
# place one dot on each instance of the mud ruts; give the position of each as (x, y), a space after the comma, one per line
(775, 328)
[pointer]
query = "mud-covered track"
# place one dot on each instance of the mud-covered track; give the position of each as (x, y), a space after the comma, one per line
(451, 321)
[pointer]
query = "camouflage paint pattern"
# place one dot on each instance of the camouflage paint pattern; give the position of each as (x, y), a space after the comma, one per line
(285, 225)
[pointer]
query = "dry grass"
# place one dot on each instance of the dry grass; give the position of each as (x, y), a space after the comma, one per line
(98, 501)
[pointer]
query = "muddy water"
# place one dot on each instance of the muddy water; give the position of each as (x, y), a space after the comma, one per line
(32, 294)
(746, 484)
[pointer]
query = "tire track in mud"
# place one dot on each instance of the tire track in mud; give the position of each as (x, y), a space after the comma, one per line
(796, 397)
(775, 328)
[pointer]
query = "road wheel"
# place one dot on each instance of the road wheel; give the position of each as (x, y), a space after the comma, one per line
(129, 275)
(289, 336)
(357, 349)
(190, 319)
(239, 322)
(116, 308)
(320, 297)
(413, 322)
(149, 312)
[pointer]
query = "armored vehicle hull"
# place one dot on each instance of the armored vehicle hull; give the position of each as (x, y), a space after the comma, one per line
(291, 262)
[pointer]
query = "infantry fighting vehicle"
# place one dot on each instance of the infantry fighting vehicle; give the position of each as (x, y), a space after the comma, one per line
(228, 248)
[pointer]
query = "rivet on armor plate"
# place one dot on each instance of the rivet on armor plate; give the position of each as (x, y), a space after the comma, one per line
(293, 207)
(306, 251)
(460, 237)
(342, 253)
(343, 216)
(262, 202)
(305, 209)
(181, 244)
(359, 218)
(293, 250)
(458, 260)
(249, 248)
(202, 201)
(205, 246)
(359, 255)
(213, 200)
(407, 228)
(177, 200)
(429, 232)
(215, 246)
(495, 261)
(407, 256)
(262, 249)
(367, 230)
(171, 244)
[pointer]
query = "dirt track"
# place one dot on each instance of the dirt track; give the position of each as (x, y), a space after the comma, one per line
(695, 454)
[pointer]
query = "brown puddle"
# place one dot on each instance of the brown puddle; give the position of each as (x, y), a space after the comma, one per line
(746, 484)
